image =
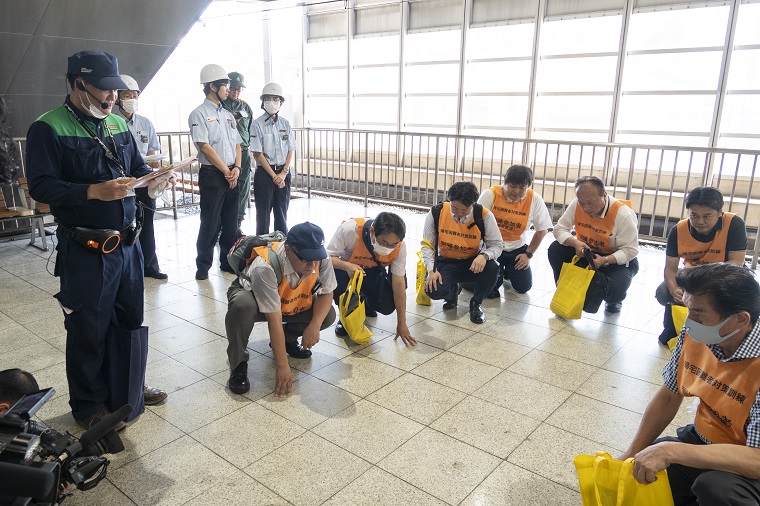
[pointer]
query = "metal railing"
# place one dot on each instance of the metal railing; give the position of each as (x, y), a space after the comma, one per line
(414, 170)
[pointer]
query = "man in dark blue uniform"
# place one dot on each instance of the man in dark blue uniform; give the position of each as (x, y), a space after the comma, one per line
(82, 160)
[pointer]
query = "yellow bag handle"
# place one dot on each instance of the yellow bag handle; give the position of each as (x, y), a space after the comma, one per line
(357, 280)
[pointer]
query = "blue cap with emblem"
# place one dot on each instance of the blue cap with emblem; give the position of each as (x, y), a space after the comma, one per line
(98, 68)
(308, 240)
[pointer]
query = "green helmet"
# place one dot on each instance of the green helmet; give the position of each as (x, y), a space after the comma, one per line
(236, 79)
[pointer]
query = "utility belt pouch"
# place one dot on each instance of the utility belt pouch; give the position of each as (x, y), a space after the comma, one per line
(131, 234)
(95, 240)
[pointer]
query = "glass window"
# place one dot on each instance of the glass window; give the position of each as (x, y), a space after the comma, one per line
(375, 109)
(699, 141)
(495, 111)
(586, 35)
(741, 114)
(744, 73)
(672, 71)
(747, 31)
(676, 113)
(431, 111)
(500, 41)
(326, 53)
(700, 27)
(375, 80)
(433, 46)
(327, 81)
(442, 78)
(587, 112)
(326, 109)
(498, 76)
(383, 49)
(577, 74)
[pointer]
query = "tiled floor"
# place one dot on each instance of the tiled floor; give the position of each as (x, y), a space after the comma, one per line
(474, 415)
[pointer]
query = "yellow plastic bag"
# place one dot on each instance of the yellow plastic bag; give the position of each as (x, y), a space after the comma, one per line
(353, 311)
(423, 299)
(605, 481)
(679, 319)
(571, 290)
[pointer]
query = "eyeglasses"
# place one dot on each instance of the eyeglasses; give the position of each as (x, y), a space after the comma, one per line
(235, 88)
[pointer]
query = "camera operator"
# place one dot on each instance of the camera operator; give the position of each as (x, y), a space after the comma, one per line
(14, 384)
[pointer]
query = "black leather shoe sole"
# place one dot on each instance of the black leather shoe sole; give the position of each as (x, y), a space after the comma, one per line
(239, 385)
(297, 351)
(449, 305)
(156, 275)
(340, 331)
(477, 315)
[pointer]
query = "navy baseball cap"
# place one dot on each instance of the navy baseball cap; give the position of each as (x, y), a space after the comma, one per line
(308, 240)
(97, 68)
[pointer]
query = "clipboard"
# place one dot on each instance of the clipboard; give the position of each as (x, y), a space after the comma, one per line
(143, 181)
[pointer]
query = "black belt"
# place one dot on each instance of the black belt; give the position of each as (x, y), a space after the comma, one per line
(69, 228)
(276, 168)
(204, 166)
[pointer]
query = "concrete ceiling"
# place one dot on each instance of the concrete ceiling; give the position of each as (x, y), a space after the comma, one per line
(37, 37)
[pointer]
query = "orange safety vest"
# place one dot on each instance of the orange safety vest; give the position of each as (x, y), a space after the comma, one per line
(695, 252)
(596, 232)
(457, 240)
(292, 300)
(512, 217)
(727, 391)
(361, 255)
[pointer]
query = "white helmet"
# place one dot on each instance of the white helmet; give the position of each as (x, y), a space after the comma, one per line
(272, 89)
(130, 82)
(213, 72)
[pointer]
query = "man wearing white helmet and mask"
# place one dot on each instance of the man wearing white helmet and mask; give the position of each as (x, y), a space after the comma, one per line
(214, 132)
(144, 133)
(272, 144)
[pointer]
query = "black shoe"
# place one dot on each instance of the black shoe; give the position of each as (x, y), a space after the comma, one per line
(156, 275)
(665, 337)
(340, 331)
(295, 350)
(153, 396)
(226, 268)
(477, 315)
(449, 305)
(613, 307)
(494, 294)
(369, 312)
(201, 275)
(94, 418)
(238, 382)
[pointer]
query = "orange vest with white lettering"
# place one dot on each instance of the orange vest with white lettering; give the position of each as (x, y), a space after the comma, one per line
(292, 300)
(457, 240)
(727, 391)
(512, 217)
(361, 255)
(596, 232)
(694, 252)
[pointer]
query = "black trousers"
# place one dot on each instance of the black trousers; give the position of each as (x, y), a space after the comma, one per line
(369, 289)
(270, 200)
(620, 275)
(454, 272)
(691, 486)
(219, 218)
(668, 326)
(147, 235)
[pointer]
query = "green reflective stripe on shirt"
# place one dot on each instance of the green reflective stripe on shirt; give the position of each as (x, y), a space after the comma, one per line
(64, 125)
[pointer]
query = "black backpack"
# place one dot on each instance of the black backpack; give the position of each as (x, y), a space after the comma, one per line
(243, 252)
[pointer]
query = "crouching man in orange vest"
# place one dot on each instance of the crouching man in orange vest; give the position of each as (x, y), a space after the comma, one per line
(715, 460)
(607, 227)
(297, 302)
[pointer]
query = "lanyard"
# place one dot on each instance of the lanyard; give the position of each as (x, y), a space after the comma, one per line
(109, 154)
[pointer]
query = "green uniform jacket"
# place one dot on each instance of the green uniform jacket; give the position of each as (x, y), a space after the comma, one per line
(243, 115)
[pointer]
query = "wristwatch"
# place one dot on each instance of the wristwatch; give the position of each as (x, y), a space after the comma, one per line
(235, 167)
(528, 254)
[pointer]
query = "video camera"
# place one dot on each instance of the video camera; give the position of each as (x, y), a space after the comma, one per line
(35, 461)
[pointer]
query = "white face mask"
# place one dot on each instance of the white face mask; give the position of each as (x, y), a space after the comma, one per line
(707, 334)
(93, 109)
(381, 250)
(129, 105)
(272, 107)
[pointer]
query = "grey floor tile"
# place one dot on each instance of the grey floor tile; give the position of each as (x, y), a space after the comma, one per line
(246, 435)
(440, 465)
(525, 334)
(358, 374)
(486, 426)
(180, 338)
(308, 470)
(619, 390)
(522, 394)
(417, 398)
(104, 493)
(145, 434)
(490, 350)
(396, 353)
(637, 365)
(238, 489)
(32, 358)
(456, 371)
(578, 348)
(208, 359)
(170, 375)
(368, 430)
(553, 369)
(377, 487)
(439, 334)
(510, 485)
